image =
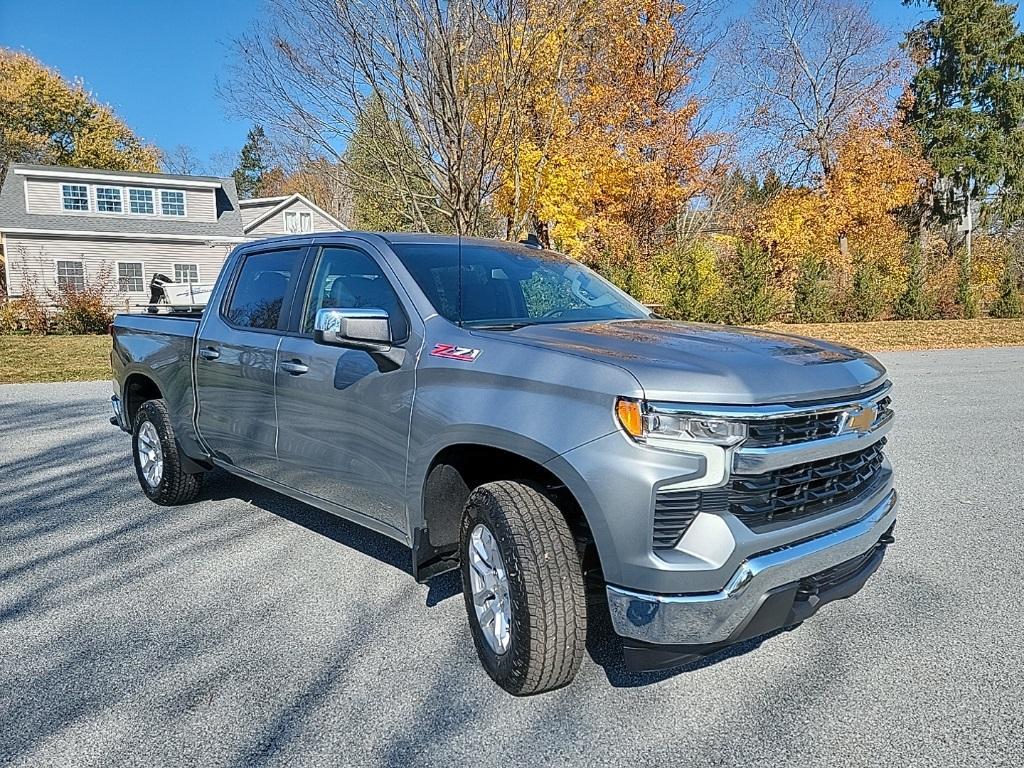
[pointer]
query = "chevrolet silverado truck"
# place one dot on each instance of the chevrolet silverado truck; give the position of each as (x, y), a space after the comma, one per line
(503, 410)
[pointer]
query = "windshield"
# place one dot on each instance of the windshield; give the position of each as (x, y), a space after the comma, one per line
(512, 285)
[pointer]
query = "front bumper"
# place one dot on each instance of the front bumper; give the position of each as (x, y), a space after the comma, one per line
(712, 620)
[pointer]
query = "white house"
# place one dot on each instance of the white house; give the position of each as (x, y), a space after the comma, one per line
(64, 226)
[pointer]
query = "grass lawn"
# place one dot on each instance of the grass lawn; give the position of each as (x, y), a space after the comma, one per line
(87, 358)
(54, 358)
(914, 334)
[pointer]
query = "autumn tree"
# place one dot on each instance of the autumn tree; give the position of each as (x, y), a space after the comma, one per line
(46, 119)
(804, 71)
(852, 217)
(313, 67)
(602, 151)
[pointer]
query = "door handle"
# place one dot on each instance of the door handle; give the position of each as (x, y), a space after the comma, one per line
(294, 367)
(209, 353)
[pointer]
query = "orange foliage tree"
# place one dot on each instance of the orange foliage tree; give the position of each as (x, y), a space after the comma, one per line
(852, 214)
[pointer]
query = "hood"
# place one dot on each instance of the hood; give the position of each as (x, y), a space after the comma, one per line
(692, 362)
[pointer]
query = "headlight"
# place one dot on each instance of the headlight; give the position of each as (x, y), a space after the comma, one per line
(645, 423)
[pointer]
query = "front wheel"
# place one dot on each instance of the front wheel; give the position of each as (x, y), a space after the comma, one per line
(523, 587)
(156, 457)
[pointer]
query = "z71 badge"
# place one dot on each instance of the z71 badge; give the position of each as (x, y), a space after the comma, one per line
(452, 352)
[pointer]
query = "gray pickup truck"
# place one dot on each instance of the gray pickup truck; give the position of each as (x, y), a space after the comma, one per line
(503, 410)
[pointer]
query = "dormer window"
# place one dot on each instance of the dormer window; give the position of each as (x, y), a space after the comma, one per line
(76, 197)
(140, 201)
(108, 199)
(172, 202)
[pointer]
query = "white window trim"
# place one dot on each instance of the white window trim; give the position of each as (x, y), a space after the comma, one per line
(88, 198)
(56, 271)
(175, 265)
(184, 203)
(117, 274)
(305, 215)
(120, 191)
(291, 215)
(153, 200)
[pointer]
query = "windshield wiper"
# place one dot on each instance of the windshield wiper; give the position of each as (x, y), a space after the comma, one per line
(500, 326)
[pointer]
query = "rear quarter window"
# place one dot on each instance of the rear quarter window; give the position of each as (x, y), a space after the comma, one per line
(260, 290)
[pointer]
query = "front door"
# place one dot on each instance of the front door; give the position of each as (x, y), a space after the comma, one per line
(237, 360)
(343, 418)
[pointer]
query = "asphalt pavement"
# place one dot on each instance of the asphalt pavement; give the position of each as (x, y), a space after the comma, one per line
(249, 629)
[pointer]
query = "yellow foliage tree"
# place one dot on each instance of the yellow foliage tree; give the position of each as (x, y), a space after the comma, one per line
(601, 147)
(852, 214)
(46, 119)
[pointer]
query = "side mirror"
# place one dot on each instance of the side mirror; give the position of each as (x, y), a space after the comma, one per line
(366, 329)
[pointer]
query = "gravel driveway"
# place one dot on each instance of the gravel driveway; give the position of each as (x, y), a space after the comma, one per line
(250, 629)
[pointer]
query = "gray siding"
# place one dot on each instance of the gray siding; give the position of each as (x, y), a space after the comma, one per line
(36, 256)
(275, 224)
(44, 196)
(252, 212)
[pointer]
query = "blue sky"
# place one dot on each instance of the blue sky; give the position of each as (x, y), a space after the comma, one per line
(157, 62)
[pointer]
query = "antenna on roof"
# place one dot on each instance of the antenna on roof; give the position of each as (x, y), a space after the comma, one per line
(532, 241)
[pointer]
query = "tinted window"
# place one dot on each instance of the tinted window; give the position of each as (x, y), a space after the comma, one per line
(261, 287)
(348, 279)
(512, 284)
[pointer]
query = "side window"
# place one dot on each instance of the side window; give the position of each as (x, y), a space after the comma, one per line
(261, 288)
(348, 279)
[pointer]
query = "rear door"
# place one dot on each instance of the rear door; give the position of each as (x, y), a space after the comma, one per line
(237, 359)
(343, 418)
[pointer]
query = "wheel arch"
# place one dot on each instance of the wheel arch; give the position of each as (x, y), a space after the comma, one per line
(456, 467)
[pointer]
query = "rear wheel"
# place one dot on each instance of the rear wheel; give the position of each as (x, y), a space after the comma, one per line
(523, 587)
(156, 457)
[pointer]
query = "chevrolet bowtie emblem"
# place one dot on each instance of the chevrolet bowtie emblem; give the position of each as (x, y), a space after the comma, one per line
(860, 419)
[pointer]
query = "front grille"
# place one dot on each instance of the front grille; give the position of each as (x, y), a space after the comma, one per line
(787, 430)
(767, 500)
(804, 490)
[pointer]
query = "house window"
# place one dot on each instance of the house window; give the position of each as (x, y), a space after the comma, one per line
(140, 200)
(186, 273)
(70, 276)
(296, 221)
(172, 202)
(76, 197)
(129, 277)
(108, 199)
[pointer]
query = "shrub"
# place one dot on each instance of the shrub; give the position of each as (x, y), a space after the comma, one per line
(697, 294)
(751, 297)
(1009, 303)
(966, 299)
(813, 300)
(866, 300)
(82, 311)
(25, 314)
(915, 303)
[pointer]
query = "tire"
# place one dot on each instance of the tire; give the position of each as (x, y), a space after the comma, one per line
(173, 485)
(546, 632)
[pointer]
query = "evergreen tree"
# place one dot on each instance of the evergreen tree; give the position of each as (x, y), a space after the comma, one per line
(812, 293)
(1009, 303)
(380, 200)
(965, 297)
(915, 303)
(751, 297)
(866, 300)
(253, 169)
(968, 99)
(698, 291)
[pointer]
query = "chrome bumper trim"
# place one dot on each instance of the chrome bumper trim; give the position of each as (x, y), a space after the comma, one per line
(712, 618)
(754, 461)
